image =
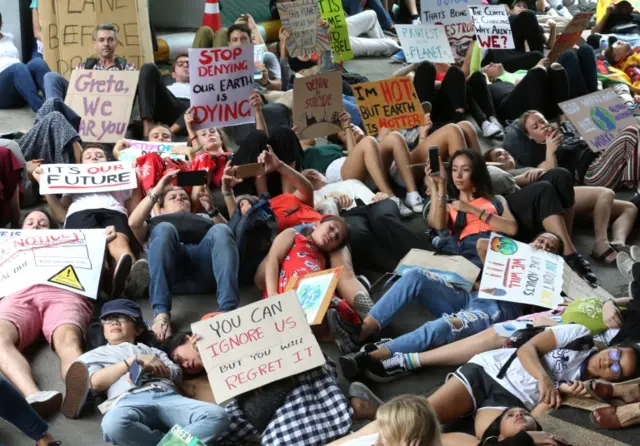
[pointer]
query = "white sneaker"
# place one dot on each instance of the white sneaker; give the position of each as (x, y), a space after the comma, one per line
(46, 402)
(635, 253)
(404, 211)
(490, 129)
(416, 21)
(416, 203)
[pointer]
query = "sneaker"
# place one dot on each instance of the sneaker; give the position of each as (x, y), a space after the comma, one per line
(139, 279)
(635, 253)
(343, 332)
(635, 272)
(368, 348)
(352, 363)
(490, 129)
(120, 275)
(46, 402)
(634, 290)
(404, 211)
(398, 57)
(364, 281)
(359, 390)
(387, 370)
(77, 385)
(415, 203)
(495, 122)
(416, 21)
(625, 265)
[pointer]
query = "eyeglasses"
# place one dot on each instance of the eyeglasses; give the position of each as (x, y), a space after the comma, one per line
(615, 355)
(120, 319)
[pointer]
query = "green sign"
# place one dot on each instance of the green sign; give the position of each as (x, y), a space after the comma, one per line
(177, 436)
(333, 14)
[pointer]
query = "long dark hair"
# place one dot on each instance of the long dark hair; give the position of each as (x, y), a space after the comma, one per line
(480, 177)
(491, 435)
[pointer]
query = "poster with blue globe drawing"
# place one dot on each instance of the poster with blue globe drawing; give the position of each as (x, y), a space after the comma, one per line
(315, 291)
(599, 117)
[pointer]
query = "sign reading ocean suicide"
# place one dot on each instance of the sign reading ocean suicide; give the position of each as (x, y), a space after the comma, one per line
(103, 99)
(307, 35)
(493, 28)
(83, 178)
(257, 344)
(390, 103)
(333, 13)
(515, 272)
(221, 83)
(457, 24)
(425, 43)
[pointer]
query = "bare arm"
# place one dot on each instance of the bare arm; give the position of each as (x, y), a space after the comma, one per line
(101, 380)
(14, 208)
(279, 249)
(58, 207)
(437, 217)
(35, 22)
(529, 355)
(466, 64)
(140, 214)
(405, 70)
(603, 21)
(256, 103)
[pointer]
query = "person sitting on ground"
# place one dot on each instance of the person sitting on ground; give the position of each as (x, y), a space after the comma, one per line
(188, 253)
(142, 411)
(11, 171)
(61, 315)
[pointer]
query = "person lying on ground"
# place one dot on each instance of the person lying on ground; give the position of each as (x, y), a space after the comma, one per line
(11, 172)
(619, 17)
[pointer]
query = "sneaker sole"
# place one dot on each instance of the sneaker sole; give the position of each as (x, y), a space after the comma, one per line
(49, 407)
(139, 280)
(382, 380)
(349, 367)
(77, 384)
(366, 392)
(120, 274)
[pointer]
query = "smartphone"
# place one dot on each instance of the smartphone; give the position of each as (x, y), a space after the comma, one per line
(434, 160)
(135, 372)
(193, 178)
(249, 170)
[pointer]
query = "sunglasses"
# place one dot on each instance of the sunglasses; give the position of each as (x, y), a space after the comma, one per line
(120, 319)
(615, 355)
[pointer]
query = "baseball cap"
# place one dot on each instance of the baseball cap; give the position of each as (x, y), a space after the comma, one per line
(121, 306)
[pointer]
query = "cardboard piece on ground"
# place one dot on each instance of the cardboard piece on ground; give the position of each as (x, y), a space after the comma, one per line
(598, 117)
(317, 104)
(333, 13)
(257, 344)
(139, 148)
(455, 270)
(576, 287)
(389, 103)
(315, 291)
(515, 272)
(457, 24)
(66, 259)
(307, 35)
(422, 43)
(177, 436)
(221, 83)
(492, 25)
(67, 31)
(85, 178)
(103, 99)
(570, 36)
(583, 403)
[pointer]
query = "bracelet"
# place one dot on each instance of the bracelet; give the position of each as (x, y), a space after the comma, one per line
(213, 213)
(442, 198)
(127, 364)
(153, 196)
(489, 217)
(227, 194)
(481, 214)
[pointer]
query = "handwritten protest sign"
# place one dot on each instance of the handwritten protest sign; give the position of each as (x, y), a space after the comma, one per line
(66, 259)
(457, 24)
(315, 291)
(258, 59)
(221, 83)
(317, 104)
(515, 272)
(104, 100)
(425, 43)
(67, 31)
(570, 35)
(455, 270)
(83, 178)
(333, 13)
(492, 25)
(139, 148)
(307, 35)
(599, 117)
(390, 103)
(256, 344)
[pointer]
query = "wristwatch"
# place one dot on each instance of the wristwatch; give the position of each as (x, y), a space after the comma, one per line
(214, 213)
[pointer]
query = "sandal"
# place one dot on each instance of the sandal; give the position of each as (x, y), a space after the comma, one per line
(603, 256)
(600, 391)
(608, 418)
(164, 328)
(621, 247)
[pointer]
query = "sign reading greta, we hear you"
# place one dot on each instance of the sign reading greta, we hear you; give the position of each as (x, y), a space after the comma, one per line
(83, 178)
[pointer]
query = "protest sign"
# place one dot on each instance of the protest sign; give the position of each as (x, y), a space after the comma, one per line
(333, 13)
(598, 117)
(258, 59)
(317, 104)
(457, 24)
(315, 291)
(515, 272)
(576, 287)
(492, 25)
(84, 178)
(255, 345)
(138, 148)
(307, 36)
(570, 35)
(103, 99)
(67, 31)
(221, 83)
(455, 270)
(422, 43)
(390, 103)
(66, 259)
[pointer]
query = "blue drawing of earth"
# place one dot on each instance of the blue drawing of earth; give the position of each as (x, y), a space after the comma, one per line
(603, 119)
(309, 297)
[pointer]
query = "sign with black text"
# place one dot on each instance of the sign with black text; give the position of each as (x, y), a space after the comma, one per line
(85, 178)
(492, 25)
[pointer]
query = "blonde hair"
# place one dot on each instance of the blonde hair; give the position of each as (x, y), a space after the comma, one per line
(408, 420)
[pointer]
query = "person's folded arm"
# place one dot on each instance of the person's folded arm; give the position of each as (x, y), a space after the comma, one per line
(279, 249)
(102, 379)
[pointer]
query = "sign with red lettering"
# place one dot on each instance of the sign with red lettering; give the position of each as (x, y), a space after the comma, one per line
(307, 35)
(493, 28)
(103, 99)
(173, 150)
(221, 83)
(457, 25)
(390, 103)
(317, 104)
(83, 178)
(256, 345)
(66, 259)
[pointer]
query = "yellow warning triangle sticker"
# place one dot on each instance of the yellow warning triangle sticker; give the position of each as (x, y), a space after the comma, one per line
(68, 278)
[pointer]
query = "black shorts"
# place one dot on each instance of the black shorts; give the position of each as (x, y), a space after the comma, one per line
(485, 391)
(101, 218)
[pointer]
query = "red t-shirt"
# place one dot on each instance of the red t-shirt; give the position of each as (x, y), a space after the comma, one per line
(290, 211)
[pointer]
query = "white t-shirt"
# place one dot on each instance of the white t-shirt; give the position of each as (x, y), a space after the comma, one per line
(9, 54)
(368, 440)
(180, 90)
(562, 365)
(111, 201)
(353, 188)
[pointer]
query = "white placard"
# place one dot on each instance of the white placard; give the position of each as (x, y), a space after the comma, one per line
(492, 25)
(139, 148)
(84, 178)
(422, 43)
(457, 24)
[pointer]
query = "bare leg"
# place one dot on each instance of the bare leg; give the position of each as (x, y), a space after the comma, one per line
(365, 159)
(625, 215)
(597, 202)
(67, 343)
(12, 364)
(369, 327)
(449, 140)
(569, 215)
(120, 246)
(348, 285)
(46, 440)
(470, 135)
(451, 401)
(411, 6)
(393, 147)
(555, 224)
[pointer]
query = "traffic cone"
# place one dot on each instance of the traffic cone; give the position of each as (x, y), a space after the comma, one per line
(211, 16)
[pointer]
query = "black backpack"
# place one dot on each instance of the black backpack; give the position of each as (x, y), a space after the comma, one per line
(120, 62)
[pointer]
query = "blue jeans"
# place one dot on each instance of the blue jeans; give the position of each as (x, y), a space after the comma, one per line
(55, 86)
(350, 106)
(15, 409)
(189, 269)
(144, 418)
(20, 84)
(353, 7)
(440, 298)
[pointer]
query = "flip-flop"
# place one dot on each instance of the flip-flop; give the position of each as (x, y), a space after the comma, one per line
(621, 247)
(600, 391)
(608, 418)
(603, 256)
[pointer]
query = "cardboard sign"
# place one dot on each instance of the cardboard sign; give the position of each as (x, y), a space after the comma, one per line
(515, 272)
(570, 36)
(576, 287)
(457, 24)
(307, 35)
(66, 259)
(84, 178)
(333, 13)
(258, 59)
(390, 103)
(221, 83)
(493, 29)
(256, 345)
(317, 104)
(67, 31)
(599, 117)
(455, 270)
(422, 43)
(103, 99)
(315, 291)
(139, 148)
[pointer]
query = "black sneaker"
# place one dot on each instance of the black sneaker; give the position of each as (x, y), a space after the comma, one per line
(634, 290)
(352, 363)
(344, 334)
(578, 263)
(387, 370)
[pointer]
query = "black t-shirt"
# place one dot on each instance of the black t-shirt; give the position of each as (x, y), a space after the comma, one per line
(622, 24)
